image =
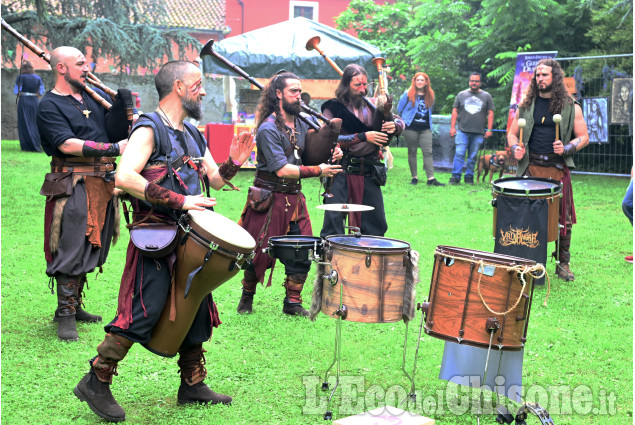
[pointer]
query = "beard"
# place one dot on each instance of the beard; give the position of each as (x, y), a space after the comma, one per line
(292, 108)
(193, 108)
(73, 82)
(357, 99)
(545, 89)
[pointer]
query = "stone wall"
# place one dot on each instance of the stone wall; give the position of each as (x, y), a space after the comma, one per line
(213, 102)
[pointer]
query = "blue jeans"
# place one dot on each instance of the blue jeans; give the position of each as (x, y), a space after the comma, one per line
(469, 142)
(627, 202)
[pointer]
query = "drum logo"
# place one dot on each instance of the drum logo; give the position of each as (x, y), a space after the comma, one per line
(516, 236)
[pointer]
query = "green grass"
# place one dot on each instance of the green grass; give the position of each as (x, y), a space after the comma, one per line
(582, 341)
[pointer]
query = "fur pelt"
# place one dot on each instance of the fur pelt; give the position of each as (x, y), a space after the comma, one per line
(412, 279)
(58, 211)
(316, 299)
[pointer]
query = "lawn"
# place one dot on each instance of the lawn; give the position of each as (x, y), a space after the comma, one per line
(578, 356)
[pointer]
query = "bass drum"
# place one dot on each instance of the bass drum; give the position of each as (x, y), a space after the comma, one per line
(532, 188)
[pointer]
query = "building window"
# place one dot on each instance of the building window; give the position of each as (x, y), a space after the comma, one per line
(306, 9)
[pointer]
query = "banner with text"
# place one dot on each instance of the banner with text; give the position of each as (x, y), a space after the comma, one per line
(525, 65)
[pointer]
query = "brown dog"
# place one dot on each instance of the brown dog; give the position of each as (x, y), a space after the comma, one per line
(491, 164)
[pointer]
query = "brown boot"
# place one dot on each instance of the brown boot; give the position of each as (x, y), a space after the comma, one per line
(192, 389)
(94, 388)
(67, 288)
(250, 283)
(292, 304)
(563, 271)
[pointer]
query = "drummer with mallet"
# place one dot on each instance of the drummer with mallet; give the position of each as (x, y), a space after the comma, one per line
(554, 129)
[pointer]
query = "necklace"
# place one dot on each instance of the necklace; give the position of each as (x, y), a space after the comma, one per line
(293, 140)
(85, 111)
(165, 116)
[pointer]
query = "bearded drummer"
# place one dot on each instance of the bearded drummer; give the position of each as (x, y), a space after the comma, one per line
(164, 166)
(542, 154)
(275, 204)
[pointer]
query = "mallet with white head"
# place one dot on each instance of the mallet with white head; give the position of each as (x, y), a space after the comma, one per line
(557, 118)
(521, 124)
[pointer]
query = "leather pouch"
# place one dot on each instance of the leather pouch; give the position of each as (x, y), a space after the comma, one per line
(154, 240)
(379, 174)
(57, 185)
(259, 199)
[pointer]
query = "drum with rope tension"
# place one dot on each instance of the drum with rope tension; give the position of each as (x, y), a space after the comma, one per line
(474, 293)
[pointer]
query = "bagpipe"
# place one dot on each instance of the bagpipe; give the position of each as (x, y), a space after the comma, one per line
(120, 112)
(382, 111)
(320, 141)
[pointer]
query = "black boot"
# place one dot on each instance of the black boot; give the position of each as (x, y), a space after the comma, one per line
(192, 389)
(292, 304)
(99, 398)
(250, 283)
(94, 388)
(81, 315)
(67, 287)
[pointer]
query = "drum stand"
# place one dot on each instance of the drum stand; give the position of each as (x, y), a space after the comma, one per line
(342, 313)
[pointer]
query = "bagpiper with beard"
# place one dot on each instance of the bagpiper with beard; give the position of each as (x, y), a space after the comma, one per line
(541, 155)
(275, 205)
(161, 190)
(363, 172)
(81, 214)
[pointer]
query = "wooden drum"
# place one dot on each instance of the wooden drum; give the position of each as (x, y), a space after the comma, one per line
(370, 276)
(464, 284)
(211, 250)
(532, 188)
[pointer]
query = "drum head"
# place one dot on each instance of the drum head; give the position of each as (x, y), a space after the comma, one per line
(223, 229)
(364, 243)
(295, 240)
(526, 186)
(488, 257)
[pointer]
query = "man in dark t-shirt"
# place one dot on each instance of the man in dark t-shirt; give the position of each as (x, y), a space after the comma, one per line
(81, 214)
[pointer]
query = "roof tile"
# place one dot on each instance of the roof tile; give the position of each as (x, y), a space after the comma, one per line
(196, 14)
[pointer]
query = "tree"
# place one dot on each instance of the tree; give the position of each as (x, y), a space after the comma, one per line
(448, 39)
(129, 32)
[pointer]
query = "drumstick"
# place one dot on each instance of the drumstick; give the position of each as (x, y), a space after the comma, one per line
(521, 124)
(557, 118)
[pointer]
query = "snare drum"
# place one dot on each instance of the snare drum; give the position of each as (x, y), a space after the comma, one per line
(370, 274)
(294, 247)
(211, 250)
(457, 312)
(533, 188)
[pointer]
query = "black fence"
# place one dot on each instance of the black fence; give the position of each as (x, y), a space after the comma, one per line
(604, 92)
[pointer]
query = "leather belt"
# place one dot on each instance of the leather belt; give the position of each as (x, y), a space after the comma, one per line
(270, 181)
(359, 165)
(546, 159)
(97, 167)
(84, 160)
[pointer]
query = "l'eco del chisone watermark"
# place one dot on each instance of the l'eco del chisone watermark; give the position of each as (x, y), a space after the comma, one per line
(454, 399)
